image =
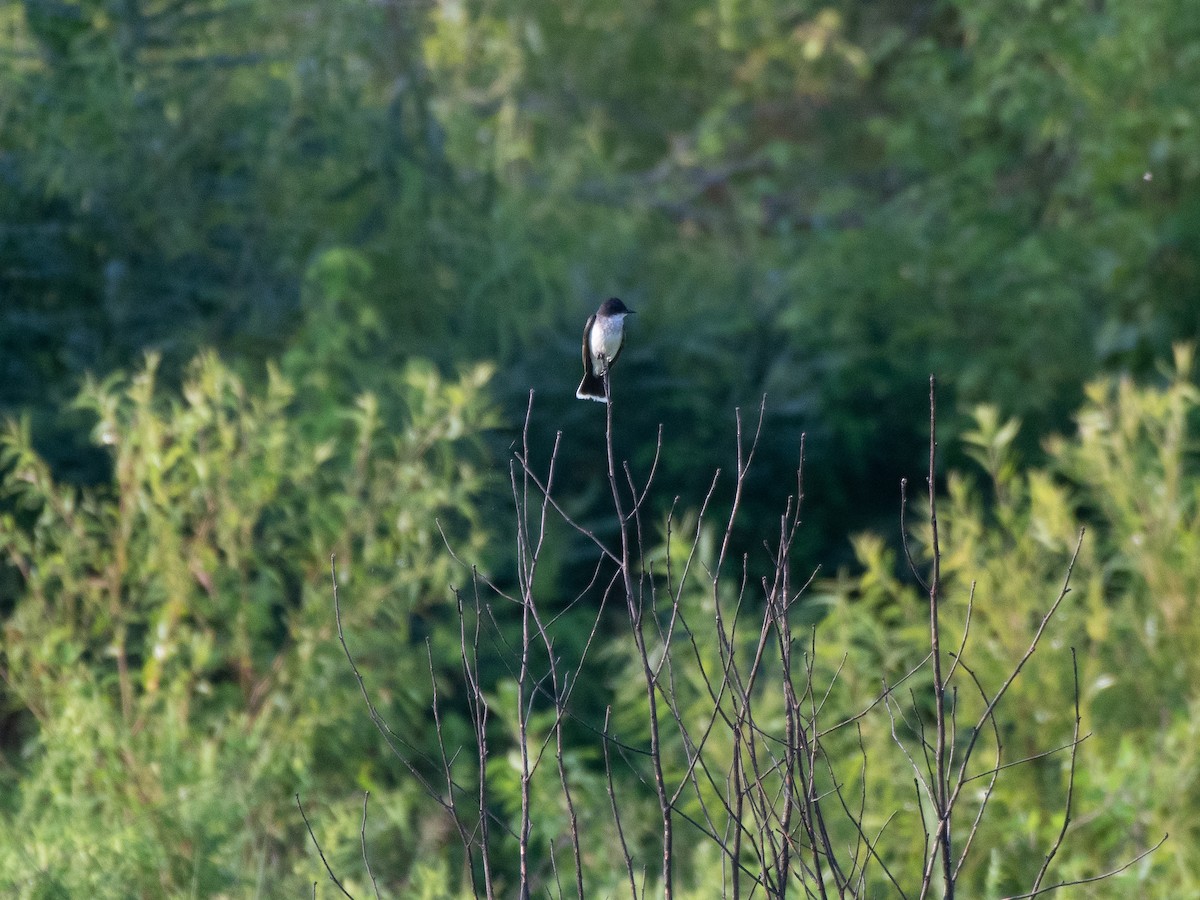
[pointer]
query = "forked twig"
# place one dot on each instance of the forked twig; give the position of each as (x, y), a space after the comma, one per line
(635, 618)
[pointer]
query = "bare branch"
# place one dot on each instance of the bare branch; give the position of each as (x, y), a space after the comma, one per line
(363, 835)
(1037, 882)
(324, 861)
(994, 772)
(1033, 645)
(908, 557)
(612, 798)
(941, 795)
(1094, 878)
(635, 619)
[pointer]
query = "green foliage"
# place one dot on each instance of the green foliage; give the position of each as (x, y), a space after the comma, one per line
(170, 171)
(823, 202)
(172, 675)
(170, 669)
(1129, 476)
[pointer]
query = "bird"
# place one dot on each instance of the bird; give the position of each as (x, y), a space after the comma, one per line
(603, 338)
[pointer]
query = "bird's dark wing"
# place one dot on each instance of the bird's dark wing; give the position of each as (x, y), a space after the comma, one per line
(587, 340)
(620, 347)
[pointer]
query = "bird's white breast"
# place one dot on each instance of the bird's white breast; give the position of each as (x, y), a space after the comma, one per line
(605, 340)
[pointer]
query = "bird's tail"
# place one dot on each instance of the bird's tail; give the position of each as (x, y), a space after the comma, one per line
(592, 387)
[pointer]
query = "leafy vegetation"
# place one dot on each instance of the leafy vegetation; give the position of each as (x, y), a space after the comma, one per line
(276, 280)
(171, 676)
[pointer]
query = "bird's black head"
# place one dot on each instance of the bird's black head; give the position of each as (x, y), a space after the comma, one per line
(614, 307)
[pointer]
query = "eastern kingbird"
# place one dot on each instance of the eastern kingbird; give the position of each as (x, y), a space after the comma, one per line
(603, 337)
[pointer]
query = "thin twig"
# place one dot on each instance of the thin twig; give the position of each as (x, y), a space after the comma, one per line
(612, 799)
(363, 836)
(886, 693)
(908, 557)
(1037, 882)
(478, 705)
(448, 768)
(994, 772)
(1033, 645)
(1093, 878)
(635, 618)
(962, 644)
(941, 784)
(1033, 757)
(324, 861)
(389, 736)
